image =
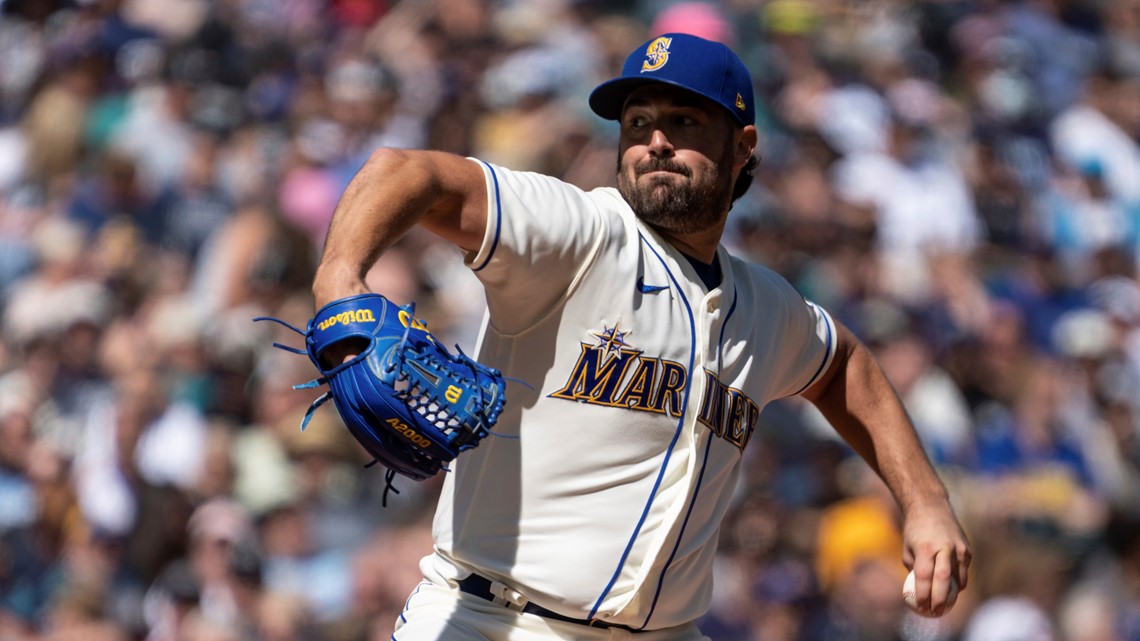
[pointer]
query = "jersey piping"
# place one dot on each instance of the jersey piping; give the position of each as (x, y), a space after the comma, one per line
(408, 602)
(498, 217)
(672, 443)
(681, 534)
(828, 351)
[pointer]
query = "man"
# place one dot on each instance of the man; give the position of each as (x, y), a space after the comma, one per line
(650, 351)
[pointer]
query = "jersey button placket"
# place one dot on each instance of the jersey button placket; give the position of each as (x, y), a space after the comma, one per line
(710, 322)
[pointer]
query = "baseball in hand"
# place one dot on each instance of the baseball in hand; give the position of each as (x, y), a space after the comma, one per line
(911, 599)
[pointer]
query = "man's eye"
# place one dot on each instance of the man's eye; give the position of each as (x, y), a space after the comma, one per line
(638, 121)
(686, 121)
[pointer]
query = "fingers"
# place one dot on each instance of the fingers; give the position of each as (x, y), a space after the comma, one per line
(942, 592)
(964, 559)
(939, 578)
(923, 580)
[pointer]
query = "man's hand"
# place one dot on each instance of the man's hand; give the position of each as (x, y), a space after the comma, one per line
(935, 547)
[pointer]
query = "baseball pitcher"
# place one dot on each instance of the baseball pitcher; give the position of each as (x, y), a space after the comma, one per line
(649, 353)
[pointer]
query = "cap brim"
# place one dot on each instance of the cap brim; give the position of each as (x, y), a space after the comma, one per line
(608, 98)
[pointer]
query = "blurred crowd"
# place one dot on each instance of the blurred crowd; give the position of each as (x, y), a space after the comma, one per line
(957, 180)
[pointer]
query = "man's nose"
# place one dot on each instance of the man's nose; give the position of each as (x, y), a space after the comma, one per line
(659, 144)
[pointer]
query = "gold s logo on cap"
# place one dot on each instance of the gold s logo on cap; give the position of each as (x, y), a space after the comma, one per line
(740, 102)
(656, 54)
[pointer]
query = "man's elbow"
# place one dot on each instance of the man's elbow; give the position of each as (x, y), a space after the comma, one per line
(390, 161)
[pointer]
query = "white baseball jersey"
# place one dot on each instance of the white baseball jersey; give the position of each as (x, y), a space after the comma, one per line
(647, 388)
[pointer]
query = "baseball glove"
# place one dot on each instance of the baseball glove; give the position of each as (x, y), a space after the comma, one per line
(412, 404)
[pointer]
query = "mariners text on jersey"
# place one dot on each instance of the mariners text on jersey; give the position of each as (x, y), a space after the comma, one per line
(626, 378)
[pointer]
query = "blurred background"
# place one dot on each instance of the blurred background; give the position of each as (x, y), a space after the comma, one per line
(958, 181)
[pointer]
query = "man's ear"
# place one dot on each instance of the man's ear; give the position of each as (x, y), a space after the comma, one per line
(746, 141)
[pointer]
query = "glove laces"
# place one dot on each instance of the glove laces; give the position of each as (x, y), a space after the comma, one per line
(316, 382)
(390, 474)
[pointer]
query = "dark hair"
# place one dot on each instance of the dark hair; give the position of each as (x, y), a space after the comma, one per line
(744, 180)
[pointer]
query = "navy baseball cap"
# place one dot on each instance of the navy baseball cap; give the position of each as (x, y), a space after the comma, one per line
(701, 66)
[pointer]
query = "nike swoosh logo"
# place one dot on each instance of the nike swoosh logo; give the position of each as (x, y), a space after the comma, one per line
(648, 289)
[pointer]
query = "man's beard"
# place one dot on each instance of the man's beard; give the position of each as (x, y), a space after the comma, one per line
(677, 207)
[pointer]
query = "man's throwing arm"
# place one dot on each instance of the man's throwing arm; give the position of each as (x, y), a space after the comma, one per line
(861, 404)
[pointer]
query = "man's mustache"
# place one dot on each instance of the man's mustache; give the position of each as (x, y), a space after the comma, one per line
(662, 164)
